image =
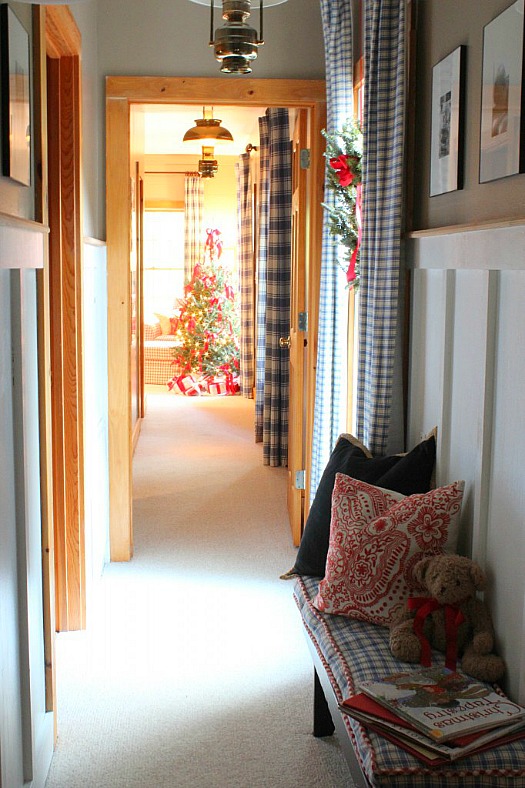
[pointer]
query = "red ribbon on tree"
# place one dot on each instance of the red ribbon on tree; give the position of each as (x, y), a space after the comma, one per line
(424, 606)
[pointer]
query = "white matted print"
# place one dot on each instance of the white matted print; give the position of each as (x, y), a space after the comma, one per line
(446, 163)
(502, 148)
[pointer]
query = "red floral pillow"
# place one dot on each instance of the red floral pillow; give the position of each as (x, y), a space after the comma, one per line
(376, 538)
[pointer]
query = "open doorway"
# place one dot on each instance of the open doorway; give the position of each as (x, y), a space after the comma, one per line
(122, 93)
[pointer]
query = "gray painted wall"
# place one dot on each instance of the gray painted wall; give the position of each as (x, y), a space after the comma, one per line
(444, 25)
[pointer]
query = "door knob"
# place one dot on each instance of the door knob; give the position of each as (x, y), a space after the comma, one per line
(284, 342)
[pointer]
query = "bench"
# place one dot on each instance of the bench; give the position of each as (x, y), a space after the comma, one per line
(346, 651)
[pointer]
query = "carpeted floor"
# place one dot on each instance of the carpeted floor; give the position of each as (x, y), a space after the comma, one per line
(195, 672)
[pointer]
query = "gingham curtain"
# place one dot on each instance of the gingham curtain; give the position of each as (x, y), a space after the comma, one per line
(262, 252)
(380, 259)
(246, 273)
(330, 390)
(278, 274)
(193, 203)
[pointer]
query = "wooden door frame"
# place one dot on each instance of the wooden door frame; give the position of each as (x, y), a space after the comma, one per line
(63, 168)
(121, 93)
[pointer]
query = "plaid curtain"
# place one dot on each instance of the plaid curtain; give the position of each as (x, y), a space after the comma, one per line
(246, 272)
(278, 275)
(331, 379)
(380, 259)
(193, 203)
(262, 253)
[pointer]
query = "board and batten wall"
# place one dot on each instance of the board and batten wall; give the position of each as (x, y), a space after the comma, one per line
(466, 255)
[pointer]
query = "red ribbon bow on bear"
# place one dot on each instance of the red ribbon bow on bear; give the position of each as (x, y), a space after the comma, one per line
(424, 606)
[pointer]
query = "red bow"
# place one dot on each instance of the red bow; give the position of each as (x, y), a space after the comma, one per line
(453, 618)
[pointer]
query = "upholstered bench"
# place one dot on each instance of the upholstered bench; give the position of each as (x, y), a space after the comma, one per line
(346, 651)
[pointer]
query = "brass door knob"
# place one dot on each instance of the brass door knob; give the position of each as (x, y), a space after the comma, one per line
(284, 342)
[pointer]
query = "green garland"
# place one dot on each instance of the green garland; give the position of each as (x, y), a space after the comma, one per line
(344, 150)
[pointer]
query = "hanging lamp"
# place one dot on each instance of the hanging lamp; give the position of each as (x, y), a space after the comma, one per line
(208, 165)
(236, 43)
(207, 129)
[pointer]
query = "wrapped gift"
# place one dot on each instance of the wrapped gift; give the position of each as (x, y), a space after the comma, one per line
(186, 384)
(217, 387)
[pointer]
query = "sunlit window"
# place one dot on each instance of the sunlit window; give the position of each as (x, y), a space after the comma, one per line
(163, 260)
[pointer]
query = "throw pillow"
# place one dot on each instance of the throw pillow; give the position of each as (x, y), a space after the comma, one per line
(165, 322)
(375, 541)
(405, 473)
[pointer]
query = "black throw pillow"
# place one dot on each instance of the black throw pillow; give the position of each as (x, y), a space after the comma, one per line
(407, 474)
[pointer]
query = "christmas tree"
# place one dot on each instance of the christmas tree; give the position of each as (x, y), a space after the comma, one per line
(208, 324)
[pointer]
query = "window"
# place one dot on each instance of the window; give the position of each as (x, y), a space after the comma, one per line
(163, 260)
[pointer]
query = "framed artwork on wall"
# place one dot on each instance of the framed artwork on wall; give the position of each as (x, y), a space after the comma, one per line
(15, 104)
(502, 149)
(446, 157)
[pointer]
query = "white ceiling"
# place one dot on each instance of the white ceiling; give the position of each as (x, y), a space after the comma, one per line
(166, 124)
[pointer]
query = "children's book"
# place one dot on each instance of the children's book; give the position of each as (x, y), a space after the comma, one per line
(443, 704)
(405, 735)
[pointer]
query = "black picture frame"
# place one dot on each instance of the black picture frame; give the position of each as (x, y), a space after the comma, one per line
(447, 130)
(502, 138)
(15, 97)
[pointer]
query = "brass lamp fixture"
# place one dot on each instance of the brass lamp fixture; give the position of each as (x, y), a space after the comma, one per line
(236, 43)
(208, 166)
(207, 129)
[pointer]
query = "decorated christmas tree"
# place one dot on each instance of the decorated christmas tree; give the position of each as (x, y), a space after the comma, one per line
(208, 323)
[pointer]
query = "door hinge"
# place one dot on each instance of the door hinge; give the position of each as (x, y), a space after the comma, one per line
(300, 480)
(305, 158)
(303, 321)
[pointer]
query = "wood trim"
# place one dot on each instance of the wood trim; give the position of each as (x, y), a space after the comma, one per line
(196, 90)
(494, 246)
(466, 228)
(23, 244)
(121, 93)
(315, 215)
(63, 37)
(119, 328)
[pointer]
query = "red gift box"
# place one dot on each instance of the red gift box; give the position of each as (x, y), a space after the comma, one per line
(186, 384)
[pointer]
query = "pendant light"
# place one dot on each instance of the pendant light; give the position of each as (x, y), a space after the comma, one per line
(235, 43)
(208, 165)
(208, 129)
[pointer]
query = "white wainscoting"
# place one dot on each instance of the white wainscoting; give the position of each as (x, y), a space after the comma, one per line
(467, 376)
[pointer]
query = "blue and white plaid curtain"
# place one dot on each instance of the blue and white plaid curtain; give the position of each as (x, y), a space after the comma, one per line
(246, 272)
(380, 258)
(331, 386)
(262, 254)
(278, 275)
(193, 205)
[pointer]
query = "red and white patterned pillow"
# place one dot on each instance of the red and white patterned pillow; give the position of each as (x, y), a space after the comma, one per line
(376, 538)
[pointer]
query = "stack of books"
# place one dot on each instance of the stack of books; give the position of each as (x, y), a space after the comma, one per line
(437, 714)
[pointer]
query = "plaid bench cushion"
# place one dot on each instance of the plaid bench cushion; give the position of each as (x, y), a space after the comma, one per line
(353, 651)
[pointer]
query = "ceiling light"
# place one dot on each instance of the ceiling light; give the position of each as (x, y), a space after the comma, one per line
(207, 129)
(208, 166)
(235, 43)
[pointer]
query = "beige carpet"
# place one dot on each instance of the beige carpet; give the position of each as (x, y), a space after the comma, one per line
(195, 672)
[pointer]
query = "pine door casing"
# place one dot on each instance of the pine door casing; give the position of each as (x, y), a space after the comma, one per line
(121, 94)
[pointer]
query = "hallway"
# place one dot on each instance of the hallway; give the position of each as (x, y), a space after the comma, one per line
(194, 671)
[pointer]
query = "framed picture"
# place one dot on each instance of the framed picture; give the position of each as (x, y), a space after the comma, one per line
(502, 138)
(16, 129)
(448, 85)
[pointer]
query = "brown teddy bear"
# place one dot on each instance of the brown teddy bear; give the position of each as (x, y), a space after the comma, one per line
(451, 619)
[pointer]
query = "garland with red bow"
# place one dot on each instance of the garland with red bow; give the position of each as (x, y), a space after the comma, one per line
(344, 151)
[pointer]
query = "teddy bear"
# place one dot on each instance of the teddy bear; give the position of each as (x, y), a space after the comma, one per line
(451, 619)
